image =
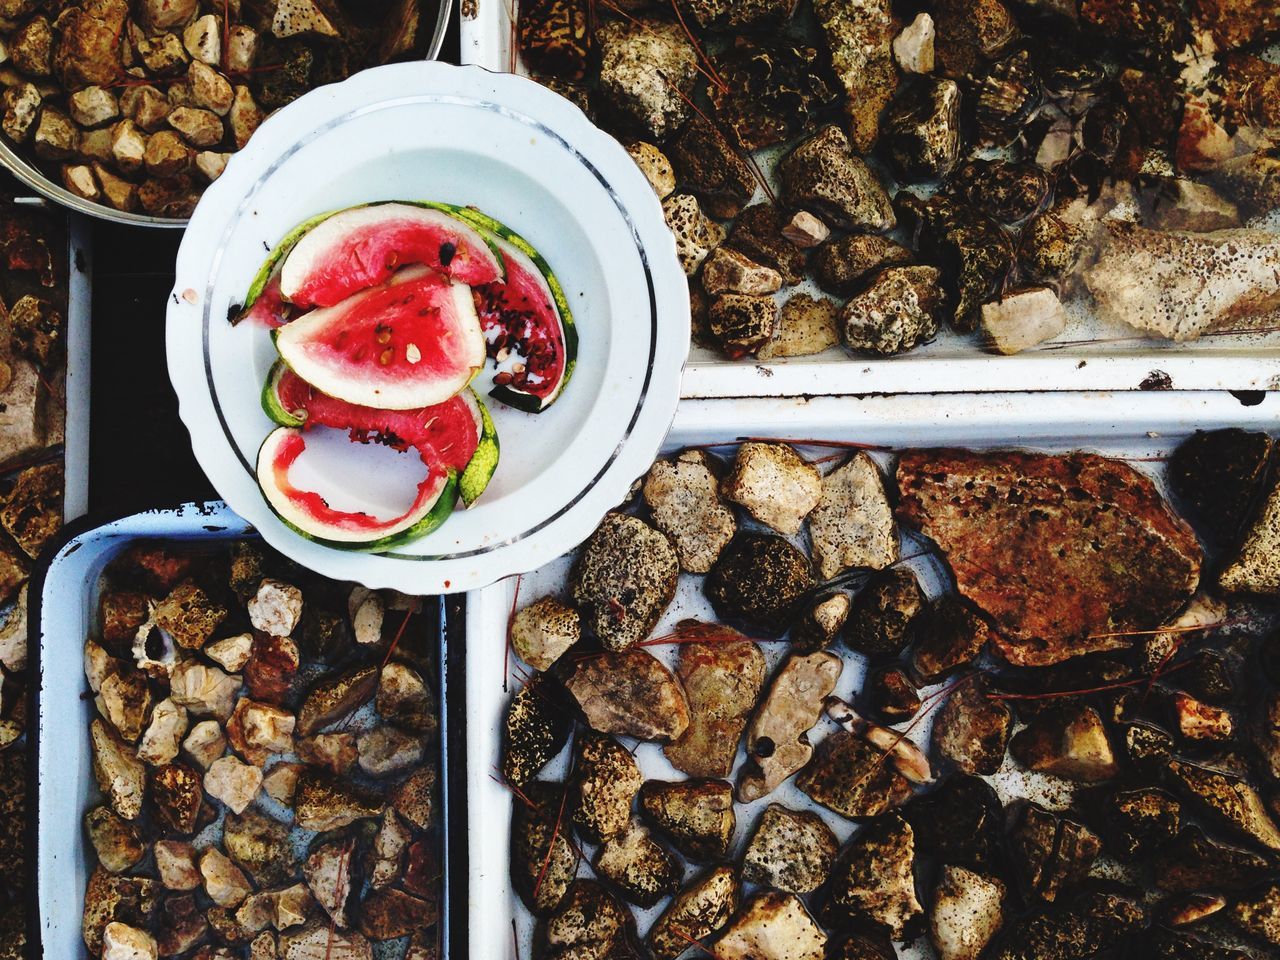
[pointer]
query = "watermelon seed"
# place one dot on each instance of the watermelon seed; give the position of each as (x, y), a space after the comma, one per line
(518, 368)
(385, 357)
(412, 353)
(447, 250)
(501, 379)
(383, 333)
(502, 354)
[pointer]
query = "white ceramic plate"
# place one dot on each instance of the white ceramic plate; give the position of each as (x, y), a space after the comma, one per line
(531, 159)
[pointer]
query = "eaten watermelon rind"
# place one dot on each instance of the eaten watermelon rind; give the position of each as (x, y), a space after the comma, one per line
(429, 521)
(275, 259)
(271, 404)
(484, 462)
(490, 225)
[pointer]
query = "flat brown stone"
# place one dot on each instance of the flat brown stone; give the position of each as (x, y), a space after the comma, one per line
(1062, 552)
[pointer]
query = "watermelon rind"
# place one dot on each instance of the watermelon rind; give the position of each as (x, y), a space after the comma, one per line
(271, 404)
(428, 520)
(475, 476)
(275, 259)
(300, 264)
(502, 233)
(350, 386)
(480, 468)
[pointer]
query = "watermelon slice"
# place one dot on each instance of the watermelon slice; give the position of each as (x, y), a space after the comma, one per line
(363, 246)
(459, 432)
(264, 302)
(528, 326)
(412, 342)
(308, 512)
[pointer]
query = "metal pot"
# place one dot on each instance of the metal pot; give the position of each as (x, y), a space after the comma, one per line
(31, 175)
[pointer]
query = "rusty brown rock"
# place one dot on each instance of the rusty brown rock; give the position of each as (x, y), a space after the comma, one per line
(722, 682)
(1106, 558)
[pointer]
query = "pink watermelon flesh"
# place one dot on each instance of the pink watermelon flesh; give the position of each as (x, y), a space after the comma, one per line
(518, 317)
(270, 309)
(362, 247)
(358, 524)
(450, 429)
(408, 344)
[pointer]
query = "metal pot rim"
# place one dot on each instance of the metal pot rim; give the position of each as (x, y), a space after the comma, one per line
(32, 177)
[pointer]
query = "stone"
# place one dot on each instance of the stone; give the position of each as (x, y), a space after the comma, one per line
(712, 168)
(860, 40)
(385, 751)
(874, 881)
(606, 780)
(318, 939)
(848, 264)
(655, 166)
(953, 637)
(774, 484)
(921, 129)
(176, 864)
(1142, 549)
(1258, 914)
(535, 730)
(163, 737)
(202, 39)
(623, 580)
(913, 46)
(333, 699)
(805, 326)
(329, 870)
(777, 738)
(404, 698)
(233, 782)
(21, 108)
(696, 234)
(120, 775)
(242, 48)
(224, 882)
(543, 859)
(205, 743)
(125, 700)
(728, 271)
(893, 696)
(1142, 820)
(697, 912)
(852, 527)
(1181, 285)
(391, 914)
(722, 682)
(886, 613)
(968, 33)
(629, 694)
(805, 231)
(296, 17)
(244, 116)
(200, 128)
(740, 324)
(1254, 568)
(759, 583)
(1050, 852)
(88, 45)
(1191, 861)
(849, 776)
(115, 840)
(772, 926)
(640, 867)
(645, 66)
(231, 653)
(56, 137)
(123, 942)
(1187, 205)
(898, 312)
(205, 691)
(323, 802)
(260, 846)
(1022, 319)
(589, 922)
(1071, 743)
(697, 816)
(162, 54)
(966, 913)
(758, 232)
(543, 631)
(790, 850)
(823, 176)
(683, 495)
(1231, 800)
(972, 730)
(1093, 921)
(335, 751)
(93, 106)
(31, 47)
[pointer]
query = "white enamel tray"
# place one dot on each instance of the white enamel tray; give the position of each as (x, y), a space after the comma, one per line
(1090, 355)
(1141, 426)
(523, 155)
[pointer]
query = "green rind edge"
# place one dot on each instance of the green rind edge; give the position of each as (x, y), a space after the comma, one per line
(484, 462)
(277, 255)
(482, 220)
(271, 398)
(430, 522)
